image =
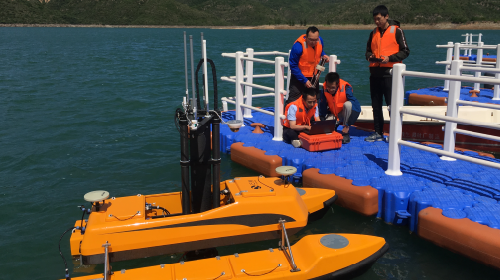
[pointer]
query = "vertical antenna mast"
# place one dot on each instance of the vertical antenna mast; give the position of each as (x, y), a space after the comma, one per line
(192, 77)
(186, 69)
(205, 86)
(205, 81)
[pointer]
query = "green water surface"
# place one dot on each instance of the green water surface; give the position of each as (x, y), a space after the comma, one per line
(83, 109)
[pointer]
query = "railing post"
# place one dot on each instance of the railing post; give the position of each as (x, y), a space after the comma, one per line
(496, 88)
(456, 52)
(332, 66)
(396, 124)
(466, 43)
(449, 55)
(288, 75)
(279, 70)
(224, 106)
(239, 86)
(248, 89)
(479, 61)
(452, 110)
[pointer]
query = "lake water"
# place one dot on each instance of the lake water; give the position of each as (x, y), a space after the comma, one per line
(83, 109)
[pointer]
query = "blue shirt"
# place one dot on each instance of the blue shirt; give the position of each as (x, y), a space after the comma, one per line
(323, 103)
(294, 58)
(292, 113)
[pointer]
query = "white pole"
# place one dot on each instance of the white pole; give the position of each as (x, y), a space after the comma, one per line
(288, 75)
(466, 42)
(193, 89)
(496, 88)
(471, 42)
(332, 66)
(186, 69)
(224, 106)
(396, 124)
(456, 52)
(239, 86)
(205, 80)
(279, 70)
(449, 55)
(479, 60)
(452, 110)
(248, 89)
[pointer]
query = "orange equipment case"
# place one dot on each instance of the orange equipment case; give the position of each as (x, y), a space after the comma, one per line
(321, 142)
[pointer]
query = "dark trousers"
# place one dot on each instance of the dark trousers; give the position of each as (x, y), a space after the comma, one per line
(289, 135)
(296, 89)
(380, 88)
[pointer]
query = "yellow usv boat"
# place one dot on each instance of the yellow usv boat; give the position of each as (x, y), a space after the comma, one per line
(319, 256)
(147, 225)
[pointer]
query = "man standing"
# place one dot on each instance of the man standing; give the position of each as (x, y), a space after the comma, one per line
(337, 98)
(386, 47)
(304, 56)
(298, 117)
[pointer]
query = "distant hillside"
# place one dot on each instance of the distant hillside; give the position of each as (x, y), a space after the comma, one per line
(242, 13)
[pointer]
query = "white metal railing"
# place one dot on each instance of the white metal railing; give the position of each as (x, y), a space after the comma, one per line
(469, 41)
(243, 103)
(478, 67)
(397, 110)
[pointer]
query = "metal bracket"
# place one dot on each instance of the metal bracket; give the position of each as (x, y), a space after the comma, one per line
(287, 249)
(107, 266)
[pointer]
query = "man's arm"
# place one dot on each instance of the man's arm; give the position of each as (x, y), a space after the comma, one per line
(296, 127)
(354, 101)
(292, 119)
(369, 47)
(326, 57)
(322, 105)
(295, 54)
(404, 51)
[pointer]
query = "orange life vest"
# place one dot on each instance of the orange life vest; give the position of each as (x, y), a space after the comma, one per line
(310, 56)
(302, 117)
(336, 101)
(384, 45)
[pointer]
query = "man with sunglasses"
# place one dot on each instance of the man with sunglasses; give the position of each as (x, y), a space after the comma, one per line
(304, 56)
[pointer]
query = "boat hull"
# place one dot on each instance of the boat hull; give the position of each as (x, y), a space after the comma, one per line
(322, 256)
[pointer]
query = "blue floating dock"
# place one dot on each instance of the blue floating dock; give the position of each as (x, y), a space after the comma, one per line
(461, 189)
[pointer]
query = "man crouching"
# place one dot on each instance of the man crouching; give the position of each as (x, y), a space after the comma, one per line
(338, 99)
(298, 117)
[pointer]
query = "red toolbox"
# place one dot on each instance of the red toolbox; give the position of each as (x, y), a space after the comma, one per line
(321, 142)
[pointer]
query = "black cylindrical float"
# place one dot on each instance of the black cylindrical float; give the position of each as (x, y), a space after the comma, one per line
(186, 205)
(216, 160)
(200, 167)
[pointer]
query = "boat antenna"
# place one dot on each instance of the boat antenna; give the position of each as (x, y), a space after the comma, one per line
(192, 78)
(205, 81)
(186, 69)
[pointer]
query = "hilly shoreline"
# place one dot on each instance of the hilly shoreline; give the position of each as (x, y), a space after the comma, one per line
(253, 14)
(438, 26)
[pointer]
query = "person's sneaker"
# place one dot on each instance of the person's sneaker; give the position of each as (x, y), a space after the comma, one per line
(296, 143)
(374, 137)
(346, 138)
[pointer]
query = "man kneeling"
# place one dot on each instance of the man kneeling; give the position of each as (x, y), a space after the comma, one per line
(337, 98)
(298, 117)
